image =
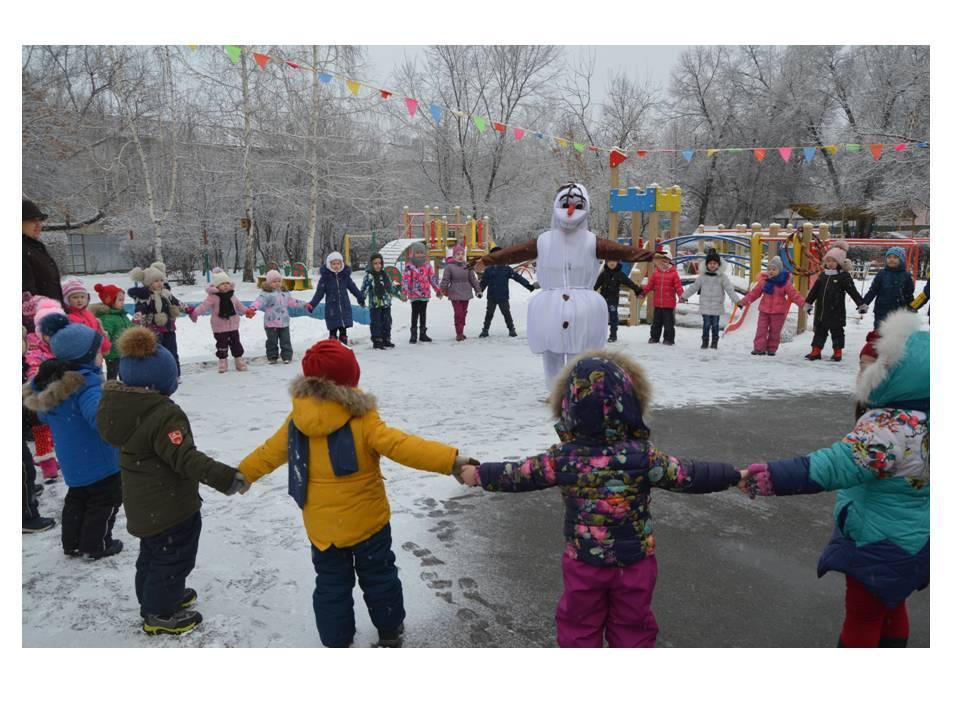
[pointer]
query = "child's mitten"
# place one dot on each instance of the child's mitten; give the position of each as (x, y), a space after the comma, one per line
(759, 482)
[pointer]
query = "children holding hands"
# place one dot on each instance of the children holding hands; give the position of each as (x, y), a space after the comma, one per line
(777, 293)
(334, 282)
(225, 308)
(667, 289)
(275, 303)
(378, 287)
(711, 284)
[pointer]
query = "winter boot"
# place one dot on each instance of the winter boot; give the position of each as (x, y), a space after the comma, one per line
(485, 332)
(423, 335)
(112, 549)
(758, 352)
(892, 642)
(461, 337)
(713, 343)
(511, 331)
(286, 362)
(240, 363)
(703, 343)
(837, 355)
(273, 361)
(38, 524)
(653, 341)
(413, 335)
(342, 337)
(668, 342)
(188, 600)
(377, 344)
(387, 344)
(814, 354)
(771, 354)
(180, 623)
(390, 638)
(222, 365)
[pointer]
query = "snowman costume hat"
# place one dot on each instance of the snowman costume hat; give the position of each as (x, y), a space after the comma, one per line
(566, 317)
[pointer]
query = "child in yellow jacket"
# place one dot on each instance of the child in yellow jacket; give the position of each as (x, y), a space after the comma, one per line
(332, 442)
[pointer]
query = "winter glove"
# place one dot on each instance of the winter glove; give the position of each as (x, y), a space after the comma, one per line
(192, 314)
(239, 485)
(536, 286)
(681, 300)
(759, 481)
(309, 308)
(479, 296)
(459, 464)
(863, 308)
(250, 312)
(741, 304)
(808, 308)
(361, 303)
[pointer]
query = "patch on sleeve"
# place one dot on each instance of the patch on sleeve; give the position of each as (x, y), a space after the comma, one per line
(176, 437)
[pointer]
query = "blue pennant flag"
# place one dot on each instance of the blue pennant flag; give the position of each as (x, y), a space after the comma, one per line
(808, 153)
(437, 113)
(324, 77)
(539, 136)
(688, 155)
(924, 144)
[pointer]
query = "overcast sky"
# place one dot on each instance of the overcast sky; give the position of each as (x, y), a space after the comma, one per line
(641, 61)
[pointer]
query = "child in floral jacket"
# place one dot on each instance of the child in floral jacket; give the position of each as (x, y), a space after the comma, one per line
(605, 467)
(275, 302)
(417, 281)
(881, 472)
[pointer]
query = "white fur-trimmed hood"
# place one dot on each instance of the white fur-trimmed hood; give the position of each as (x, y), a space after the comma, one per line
(895, 330)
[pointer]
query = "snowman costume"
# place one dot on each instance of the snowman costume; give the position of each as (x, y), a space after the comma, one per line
(567, 316)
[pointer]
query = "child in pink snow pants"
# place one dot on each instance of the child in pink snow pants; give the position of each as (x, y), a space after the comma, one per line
(605, 467)
(776, 293)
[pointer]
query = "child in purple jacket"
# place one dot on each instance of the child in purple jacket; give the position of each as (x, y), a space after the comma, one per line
(275, 302)
(605, 467)
(459, 284)
(225, 310)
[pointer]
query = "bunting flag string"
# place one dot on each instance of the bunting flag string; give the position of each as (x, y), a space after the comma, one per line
(617, 155)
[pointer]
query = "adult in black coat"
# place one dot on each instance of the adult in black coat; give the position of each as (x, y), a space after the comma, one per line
(608, 284)
(41, 276)
(828, 300)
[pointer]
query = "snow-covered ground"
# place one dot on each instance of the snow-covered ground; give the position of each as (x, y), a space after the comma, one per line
(254, 575)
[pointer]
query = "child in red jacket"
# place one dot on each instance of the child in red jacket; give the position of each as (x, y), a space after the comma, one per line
(777, 294)
(667, 289)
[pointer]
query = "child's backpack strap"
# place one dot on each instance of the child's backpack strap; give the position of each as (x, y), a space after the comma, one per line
(343, 452)
(298, 463)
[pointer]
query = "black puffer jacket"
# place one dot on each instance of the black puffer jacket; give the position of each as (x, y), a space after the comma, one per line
(609, 282)
(827, 298)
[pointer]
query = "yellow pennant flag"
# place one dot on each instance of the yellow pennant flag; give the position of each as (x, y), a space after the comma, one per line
(193, 47)
(832, 149)
(562, 143)
(354, 86)
(711, 152)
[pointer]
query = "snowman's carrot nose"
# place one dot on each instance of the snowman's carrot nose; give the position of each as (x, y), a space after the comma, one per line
(570, 209)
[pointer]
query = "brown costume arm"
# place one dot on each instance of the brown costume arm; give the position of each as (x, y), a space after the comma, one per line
(511, 255)
(607, 250)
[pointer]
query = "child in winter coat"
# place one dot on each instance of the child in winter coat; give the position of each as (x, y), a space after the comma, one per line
(155, 306)
(711, 285)
(881, 472)
(456, 284)
(892, 287)
(378, 287)
(608, 283)
(776, 293)
(827, 298)
(65, 393)
(36, 308)
(275, 302)
(332, 442)
(334, 283)
(225, 310)
(418, 277)
(160, 469)
(605, 467)
(667, 289)
(495, 281)
(33, 521)
(75, 301)
(114, 319)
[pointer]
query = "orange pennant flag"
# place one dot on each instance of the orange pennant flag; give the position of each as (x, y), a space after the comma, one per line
(642, 153)
(354, 86)
(385, 94)
(499, 127)
(261, 59)
(759, 154)
(877, 150)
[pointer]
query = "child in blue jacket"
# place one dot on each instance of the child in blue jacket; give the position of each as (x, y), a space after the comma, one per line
(495, 280)
(65, 394)
(334, 282)
(892, 287)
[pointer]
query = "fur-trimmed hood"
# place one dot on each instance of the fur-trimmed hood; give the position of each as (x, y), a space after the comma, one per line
(902, 369)
(320, 407)
(53, 394)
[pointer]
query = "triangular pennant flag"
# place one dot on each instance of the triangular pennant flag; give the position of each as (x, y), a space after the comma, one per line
(616, 157)
(292, 64)
(385, 94)
(832, 149)
(539, 135)
(325, 77)
(876, 150)
(411, 106)
(481, 123)
(900, 147)
(759, 154)
(687, 155)
(562, 143)
(642, 153)
(593, 147)
(499, 127)
(518, 133)
(193, 47)
(437, 112)
(711, 152)
(808, 153)
(579, 147)
(786, 153)
(923, 144)
(353, 86)
(261, 59)
(735, 151)
(234, 52)
(853, 147)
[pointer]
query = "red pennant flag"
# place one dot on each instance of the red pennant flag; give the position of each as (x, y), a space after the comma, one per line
(786, 153)
(759, 154)
(593, 147)
(293, 65)
(261, 59)
(616, 157)
(642, 153)
(385, 94)
(900, 147)
(411, 106)
(518, 133)
(499, 127)
(877, 150)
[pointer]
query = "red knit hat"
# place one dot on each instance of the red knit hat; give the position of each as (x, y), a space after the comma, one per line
(869, 348)
(333, 360)
(108, 293)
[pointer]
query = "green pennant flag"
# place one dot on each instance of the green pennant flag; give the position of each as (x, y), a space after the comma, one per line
(481, 123)
(735, 151)
(853, 148)
(579, 147)
(234, 52)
